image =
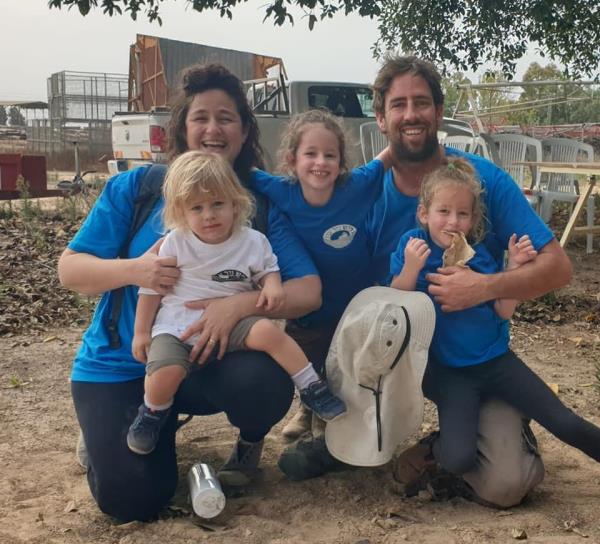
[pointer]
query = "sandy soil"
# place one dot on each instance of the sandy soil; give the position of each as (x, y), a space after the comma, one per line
(44, 496)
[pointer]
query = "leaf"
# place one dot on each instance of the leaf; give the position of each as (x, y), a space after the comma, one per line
(553, 387)
(519, 534)
(71, 507)
(49, 339)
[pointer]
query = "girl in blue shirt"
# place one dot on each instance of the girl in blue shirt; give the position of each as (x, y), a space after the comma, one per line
(327, 205)
(470, 358)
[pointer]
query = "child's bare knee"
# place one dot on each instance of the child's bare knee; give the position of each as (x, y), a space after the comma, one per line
(263, 332)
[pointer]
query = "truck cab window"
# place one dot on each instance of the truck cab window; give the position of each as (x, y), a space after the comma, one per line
(345, 101)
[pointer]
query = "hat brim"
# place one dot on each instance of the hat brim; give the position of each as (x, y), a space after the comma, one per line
(353, 438)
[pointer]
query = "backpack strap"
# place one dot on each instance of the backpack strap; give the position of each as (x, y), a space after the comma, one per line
(149, 192)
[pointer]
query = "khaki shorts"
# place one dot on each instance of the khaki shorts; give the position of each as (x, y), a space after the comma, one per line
(168, 350)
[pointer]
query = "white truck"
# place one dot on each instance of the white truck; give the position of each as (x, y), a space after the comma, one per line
(139, 138)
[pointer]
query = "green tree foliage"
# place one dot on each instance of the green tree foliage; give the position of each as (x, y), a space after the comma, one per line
(451, 92)
(571, 103)
(3, 116)
(456, 34)
(15, 117)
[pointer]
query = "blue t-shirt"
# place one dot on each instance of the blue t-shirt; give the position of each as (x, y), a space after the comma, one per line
(333, 234)
(507, 212)
(467, 337)
(103, 233)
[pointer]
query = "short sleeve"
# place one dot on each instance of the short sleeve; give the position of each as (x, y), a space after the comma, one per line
(397, 257)
(294, 259)
(509, 212)
(268, 260)
(106, 227)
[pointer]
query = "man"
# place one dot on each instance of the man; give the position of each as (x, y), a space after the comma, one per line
(408, 103)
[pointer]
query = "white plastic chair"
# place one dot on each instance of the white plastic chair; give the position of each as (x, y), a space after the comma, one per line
(372, 141)
(563, 187)
(515, 148)
(464, 143)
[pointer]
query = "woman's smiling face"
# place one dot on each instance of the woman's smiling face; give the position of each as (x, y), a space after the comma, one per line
(213, 124)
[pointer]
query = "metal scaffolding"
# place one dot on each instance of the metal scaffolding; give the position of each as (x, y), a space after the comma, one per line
(80, 108)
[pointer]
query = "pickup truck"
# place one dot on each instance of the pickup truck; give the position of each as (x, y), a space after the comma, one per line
(140, 137)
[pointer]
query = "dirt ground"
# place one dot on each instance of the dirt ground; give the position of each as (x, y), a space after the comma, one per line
(44, 496)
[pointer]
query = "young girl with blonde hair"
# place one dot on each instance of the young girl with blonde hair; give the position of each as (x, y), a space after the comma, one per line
(327, 203)
(218, 255)
(470, 359)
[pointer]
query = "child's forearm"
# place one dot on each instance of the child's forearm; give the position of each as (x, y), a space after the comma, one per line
(406, 280)
(145, 313)
(272, 279)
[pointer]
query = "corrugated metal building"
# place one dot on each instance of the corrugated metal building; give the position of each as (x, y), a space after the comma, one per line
(155, 64)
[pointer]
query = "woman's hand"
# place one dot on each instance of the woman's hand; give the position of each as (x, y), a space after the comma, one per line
(157, 273)
(214, 327)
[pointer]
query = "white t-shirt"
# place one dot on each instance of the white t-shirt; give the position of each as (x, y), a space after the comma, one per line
(209, 271)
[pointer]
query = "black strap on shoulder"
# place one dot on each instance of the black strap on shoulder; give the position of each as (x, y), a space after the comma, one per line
(260, 222)
(149, 192)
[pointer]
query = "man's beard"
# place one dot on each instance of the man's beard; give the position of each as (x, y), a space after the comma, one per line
(426, 151)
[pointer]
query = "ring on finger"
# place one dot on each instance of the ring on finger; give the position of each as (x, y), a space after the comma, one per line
(211, 341)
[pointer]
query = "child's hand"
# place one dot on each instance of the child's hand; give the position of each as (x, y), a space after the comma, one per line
(416, 253)
(272, 297)
(140, 346)
(520, 251)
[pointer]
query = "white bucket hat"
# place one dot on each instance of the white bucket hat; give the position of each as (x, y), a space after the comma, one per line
(376, 364)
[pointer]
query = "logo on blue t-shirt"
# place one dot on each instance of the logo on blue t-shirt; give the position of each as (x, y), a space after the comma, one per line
(339, 236)
(229, 275)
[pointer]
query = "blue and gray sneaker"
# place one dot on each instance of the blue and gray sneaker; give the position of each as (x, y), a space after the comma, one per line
(145, 429)
(319, 398)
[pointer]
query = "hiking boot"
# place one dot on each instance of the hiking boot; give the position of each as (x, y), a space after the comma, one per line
(307, 458)
(414, 465)
(299, 424)
(242, 465)
(319, 398)
(145, 430)
(81, 454)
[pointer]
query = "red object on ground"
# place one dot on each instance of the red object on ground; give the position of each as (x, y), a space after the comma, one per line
(33, 170)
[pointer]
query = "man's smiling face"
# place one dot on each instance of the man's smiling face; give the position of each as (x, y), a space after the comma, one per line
(411, 119)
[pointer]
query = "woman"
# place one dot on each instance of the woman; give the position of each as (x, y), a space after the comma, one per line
(210, 113)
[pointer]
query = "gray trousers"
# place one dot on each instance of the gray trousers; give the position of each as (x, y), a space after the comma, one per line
(508, 465)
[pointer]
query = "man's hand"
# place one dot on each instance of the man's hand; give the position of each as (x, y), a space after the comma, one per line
(140, 346)
(457, 287)
(157, 273)
(218, 320)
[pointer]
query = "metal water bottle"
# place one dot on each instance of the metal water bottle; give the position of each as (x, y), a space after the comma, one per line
(208, 499)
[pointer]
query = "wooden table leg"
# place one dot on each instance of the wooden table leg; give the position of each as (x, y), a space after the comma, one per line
(581, 202)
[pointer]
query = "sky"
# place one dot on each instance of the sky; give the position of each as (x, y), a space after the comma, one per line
(36, 41)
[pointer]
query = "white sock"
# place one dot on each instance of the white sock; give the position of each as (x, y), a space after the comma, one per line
(157, 407)
(303, 378)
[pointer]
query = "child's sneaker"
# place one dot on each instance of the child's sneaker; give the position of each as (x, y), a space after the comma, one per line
(319, 398)
(145, 429)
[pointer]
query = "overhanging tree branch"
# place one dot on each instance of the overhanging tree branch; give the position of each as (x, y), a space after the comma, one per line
(455, 34)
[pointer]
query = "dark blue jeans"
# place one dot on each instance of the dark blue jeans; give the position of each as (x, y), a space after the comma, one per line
(459, 392)
(254, 392)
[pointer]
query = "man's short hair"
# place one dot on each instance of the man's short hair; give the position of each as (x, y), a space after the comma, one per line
(395, 65)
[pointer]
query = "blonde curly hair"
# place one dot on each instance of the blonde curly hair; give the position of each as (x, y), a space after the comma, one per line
(457, 172)
(195, 173)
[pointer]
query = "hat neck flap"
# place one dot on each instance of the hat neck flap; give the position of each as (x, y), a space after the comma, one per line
(377, 391)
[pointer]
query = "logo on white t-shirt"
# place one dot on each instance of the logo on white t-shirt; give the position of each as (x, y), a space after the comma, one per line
(229, 275)
(339, 236)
